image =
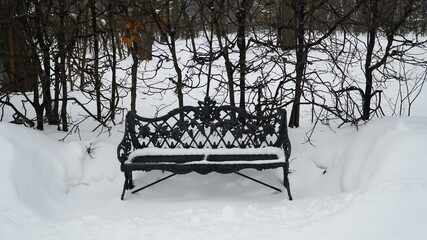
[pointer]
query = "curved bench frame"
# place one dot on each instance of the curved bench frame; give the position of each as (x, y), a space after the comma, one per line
(205, 126)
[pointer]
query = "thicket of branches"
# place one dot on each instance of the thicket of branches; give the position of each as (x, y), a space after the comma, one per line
(335, 57)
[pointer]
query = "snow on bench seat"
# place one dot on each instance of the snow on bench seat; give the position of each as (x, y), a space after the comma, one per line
(207, 156)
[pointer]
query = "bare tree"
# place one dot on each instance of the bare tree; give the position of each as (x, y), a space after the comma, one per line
(306, 14)
(391, 19)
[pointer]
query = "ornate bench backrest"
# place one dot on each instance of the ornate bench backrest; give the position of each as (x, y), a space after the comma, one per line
(205, 126)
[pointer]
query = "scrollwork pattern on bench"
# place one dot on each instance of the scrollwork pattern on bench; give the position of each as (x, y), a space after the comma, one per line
(205, 126)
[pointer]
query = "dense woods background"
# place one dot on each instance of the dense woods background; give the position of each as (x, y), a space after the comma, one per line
(335, 56)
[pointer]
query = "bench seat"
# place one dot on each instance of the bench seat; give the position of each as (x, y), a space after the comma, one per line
(205, 160)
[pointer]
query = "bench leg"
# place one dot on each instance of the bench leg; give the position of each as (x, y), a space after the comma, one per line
(286, 182)
(128, 183)
(124, 190)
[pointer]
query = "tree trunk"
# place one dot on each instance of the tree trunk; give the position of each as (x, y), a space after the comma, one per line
(83, 50)
(286, 21)
(371, 38)
(179, 80)
(220, 34)
(96, 60)
(296, 106)
(38, 108)
(301, 55)
(134, 79)
(55, 111)
(45, 76)
(113, 65)
(241, 45)
(367, 95)
(46, 82)
(37, 71)
(62, 71)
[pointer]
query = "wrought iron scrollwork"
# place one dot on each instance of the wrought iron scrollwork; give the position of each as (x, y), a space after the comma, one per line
(206, 113)
(205, 125)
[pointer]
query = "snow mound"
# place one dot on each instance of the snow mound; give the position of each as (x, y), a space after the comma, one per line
(387, 149)
(391, 148)
(39, 171)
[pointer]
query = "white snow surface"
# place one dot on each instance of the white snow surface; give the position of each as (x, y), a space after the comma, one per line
(151, 151)
(366, 183)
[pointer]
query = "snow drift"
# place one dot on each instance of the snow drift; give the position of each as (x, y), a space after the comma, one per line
(39, 171)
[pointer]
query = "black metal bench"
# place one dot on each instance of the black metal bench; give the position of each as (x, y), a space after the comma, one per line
(204, 139)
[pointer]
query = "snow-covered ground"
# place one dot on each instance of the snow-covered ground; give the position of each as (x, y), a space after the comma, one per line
(352, 184)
